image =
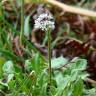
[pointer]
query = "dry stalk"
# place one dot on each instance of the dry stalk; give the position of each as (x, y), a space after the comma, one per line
(72, 9)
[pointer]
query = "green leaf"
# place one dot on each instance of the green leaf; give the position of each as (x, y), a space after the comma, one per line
(44, 89)
(78, 88)
(27, 26)
(36, 64)
(2, 61)
(11, 84)
(79, 64)
(57, 62)
(74, 75)
(28, 65)
(10, 55)
(61, 80)
(10, 77)
(84, 75)
(8, 67)
(3, 84)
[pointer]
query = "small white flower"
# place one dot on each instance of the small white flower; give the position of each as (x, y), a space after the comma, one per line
(44, 22)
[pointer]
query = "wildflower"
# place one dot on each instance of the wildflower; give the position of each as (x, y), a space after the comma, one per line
(44, 22)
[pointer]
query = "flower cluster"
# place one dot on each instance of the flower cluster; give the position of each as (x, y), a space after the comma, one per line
(44, 22)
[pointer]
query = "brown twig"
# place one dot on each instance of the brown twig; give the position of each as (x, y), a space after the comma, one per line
(72, 9)
(90, 81)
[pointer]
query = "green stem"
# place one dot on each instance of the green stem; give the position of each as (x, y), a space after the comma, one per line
(22, 21)
(49, 54)
(45, 40)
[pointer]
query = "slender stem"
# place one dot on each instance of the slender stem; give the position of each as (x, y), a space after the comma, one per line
(22, 22)
(45, 40)
(49, 54)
